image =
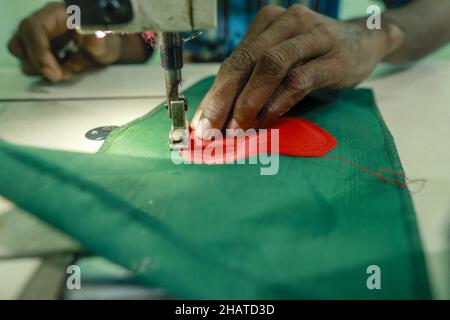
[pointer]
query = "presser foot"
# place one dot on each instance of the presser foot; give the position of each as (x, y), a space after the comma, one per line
(179, 138)
(179, 134)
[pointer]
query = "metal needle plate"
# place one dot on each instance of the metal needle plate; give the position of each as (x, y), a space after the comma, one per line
(99, 134)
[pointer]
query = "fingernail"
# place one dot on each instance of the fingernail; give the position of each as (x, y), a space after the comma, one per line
(203, 128)
(233, 129)
(50, 74)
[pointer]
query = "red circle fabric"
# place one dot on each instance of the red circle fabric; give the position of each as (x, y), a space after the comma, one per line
(288, 136)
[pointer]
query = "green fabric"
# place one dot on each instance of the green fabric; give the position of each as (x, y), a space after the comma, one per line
(225, 231)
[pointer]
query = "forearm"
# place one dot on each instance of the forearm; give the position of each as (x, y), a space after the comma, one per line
(425, 26)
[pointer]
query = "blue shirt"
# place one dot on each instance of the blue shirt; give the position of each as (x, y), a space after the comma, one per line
(235, 17)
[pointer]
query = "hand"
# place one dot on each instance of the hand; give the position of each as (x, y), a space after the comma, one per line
(285, 55)
(45, 32)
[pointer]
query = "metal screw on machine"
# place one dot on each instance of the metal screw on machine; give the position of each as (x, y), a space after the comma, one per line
(100, 133)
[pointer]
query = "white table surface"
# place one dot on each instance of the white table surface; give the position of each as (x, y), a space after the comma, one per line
(414, 102)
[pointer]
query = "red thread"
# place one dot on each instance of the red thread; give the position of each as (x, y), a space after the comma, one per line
(297, 138)
(379, 174)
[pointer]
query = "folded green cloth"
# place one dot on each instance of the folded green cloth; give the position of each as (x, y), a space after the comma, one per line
(199, 231)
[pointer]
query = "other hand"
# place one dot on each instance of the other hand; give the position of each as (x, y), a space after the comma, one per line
(45, 32)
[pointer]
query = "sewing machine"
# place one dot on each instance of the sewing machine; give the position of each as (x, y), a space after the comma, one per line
(169, 18)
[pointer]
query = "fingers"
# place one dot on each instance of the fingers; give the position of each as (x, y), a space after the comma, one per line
(16, 47)
(105, 50)
(94, 45)
(77, 63)
(232, 75)
(219, 100)
(235, 72)
(38, 50)
(266, 16)
(28, 69)
(45, 31)
(269, 72)
(297, 84)
(32, 43)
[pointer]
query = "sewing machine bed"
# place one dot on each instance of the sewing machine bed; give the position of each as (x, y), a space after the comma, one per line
(199, 231)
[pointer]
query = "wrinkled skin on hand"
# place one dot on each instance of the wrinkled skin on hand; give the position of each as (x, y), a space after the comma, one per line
(286, 54)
